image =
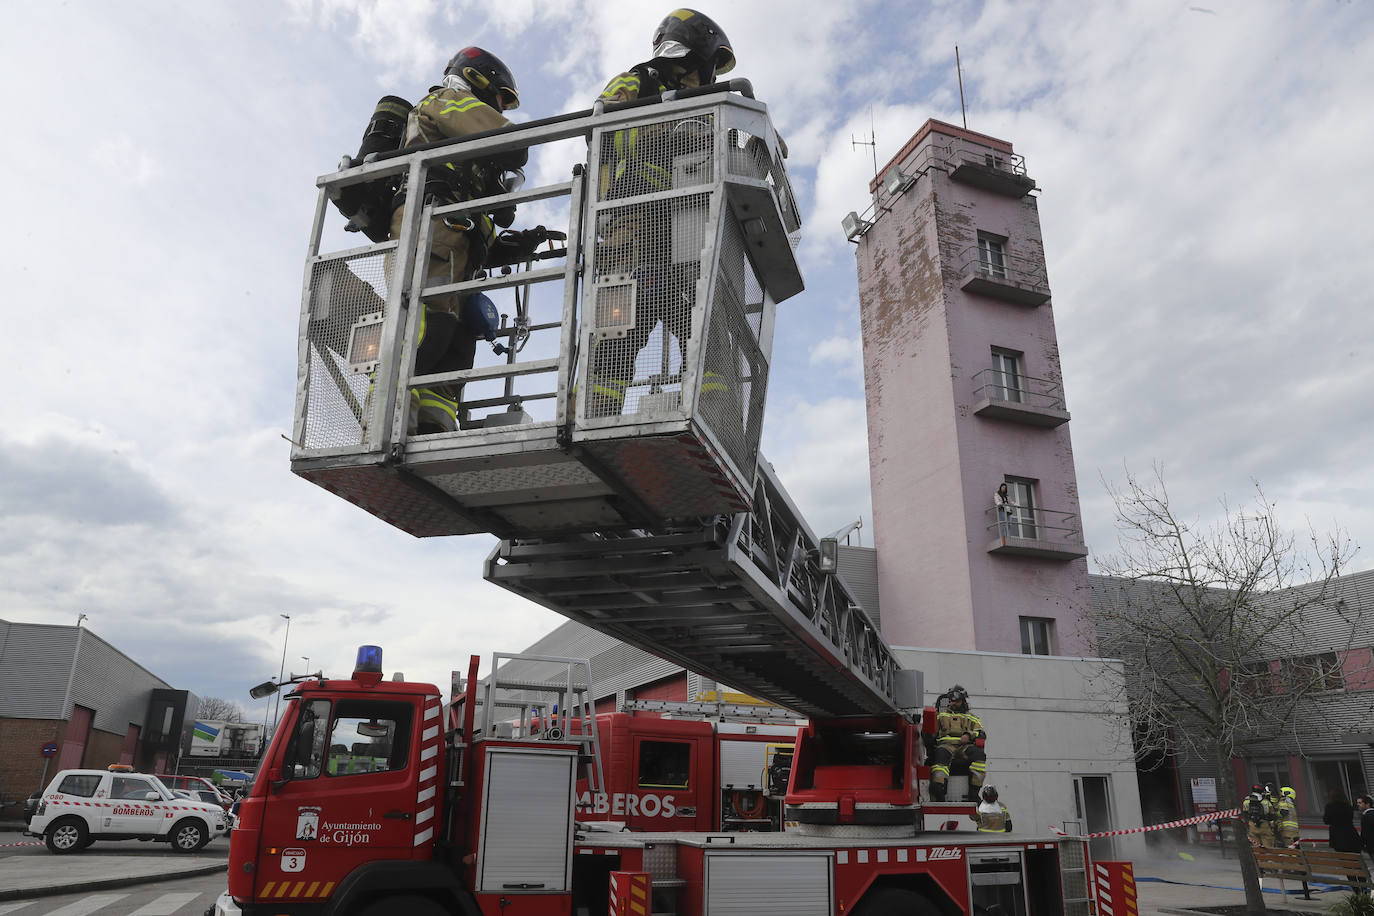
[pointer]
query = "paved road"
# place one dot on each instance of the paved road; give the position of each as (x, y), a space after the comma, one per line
(110, 877)
(184, 897)
(16, 844)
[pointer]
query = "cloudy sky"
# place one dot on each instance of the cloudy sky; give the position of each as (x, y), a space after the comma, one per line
(1206, 208)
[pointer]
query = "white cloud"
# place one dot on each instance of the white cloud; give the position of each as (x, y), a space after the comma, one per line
(843, 354)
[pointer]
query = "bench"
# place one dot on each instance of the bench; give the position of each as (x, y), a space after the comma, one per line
(1306, 865)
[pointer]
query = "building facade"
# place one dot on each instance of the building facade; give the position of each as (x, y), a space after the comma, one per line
(964, 392)
(1328, 744)
(65, 689)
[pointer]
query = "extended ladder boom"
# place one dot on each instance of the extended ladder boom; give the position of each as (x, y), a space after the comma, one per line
(740, 599)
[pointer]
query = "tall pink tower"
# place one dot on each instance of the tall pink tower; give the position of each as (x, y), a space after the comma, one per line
(965, 392)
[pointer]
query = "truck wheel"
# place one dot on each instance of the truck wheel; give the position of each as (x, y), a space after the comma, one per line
(895, 901)
(411, 905)
(188, 835)
(69, 834)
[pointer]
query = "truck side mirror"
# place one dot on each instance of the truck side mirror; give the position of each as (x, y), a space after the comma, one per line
(265, 689)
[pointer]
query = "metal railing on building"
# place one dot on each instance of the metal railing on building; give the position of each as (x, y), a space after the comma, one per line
(1000, 385)
(1035, 531)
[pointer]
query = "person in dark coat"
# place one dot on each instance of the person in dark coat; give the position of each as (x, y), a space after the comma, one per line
(1366, 806)
(1339, 816)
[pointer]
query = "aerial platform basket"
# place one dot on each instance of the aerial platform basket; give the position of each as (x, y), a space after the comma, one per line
(629, 380)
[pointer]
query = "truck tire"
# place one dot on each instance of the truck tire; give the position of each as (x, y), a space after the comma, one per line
(67, 834)
(188, 835)
(895, 901)
(411, 905)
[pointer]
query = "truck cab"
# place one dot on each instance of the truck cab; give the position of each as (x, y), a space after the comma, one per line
(368, 803)
(314, 817)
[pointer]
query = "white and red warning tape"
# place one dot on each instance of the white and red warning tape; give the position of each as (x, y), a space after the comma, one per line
(1196, 819)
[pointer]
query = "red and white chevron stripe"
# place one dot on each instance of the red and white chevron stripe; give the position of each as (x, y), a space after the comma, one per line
(431, 742)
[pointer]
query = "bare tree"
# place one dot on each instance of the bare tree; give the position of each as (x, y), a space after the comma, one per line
(1227, 632)
(223, 710)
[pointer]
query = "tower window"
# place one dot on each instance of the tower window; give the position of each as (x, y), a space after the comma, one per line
(992, 255)
(1037, 636)
(1006, 376)
(1022, 515)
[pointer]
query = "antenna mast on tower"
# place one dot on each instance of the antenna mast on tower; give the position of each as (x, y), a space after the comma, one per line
(871, 142)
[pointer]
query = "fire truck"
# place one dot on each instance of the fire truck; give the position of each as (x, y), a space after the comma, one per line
(650, 516)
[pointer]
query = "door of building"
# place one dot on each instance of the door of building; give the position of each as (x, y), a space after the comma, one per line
(1092, 798)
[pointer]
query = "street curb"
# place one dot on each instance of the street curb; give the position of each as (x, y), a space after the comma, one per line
(101, 884)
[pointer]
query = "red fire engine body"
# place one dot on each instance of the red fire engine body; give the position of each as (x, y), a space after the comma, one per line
(689, 774)
(452, 820)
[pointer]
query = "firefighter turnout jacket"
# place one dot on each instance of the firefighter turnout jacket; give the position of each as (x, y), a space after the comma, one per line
(450, 111)
(950, 727)
(1259, 819)
(1286, 829)
(992, 817)
(457, 246)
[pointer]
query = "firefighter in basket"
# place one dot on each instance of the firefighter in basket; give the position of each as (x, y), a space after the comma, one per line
(477, 87)
(959, 739)
(1258, 817)
(689, 50)
(991, 816)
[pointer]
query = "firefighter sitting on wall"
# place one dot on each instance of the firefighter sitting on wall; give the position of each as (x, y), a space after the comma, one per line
(959, 736)
(1258, 817)
(689, 51)
(476, 88)
(992, 816)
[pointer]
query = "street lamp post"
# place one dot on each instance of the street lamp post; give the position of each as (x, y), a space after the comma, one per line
(281, 670)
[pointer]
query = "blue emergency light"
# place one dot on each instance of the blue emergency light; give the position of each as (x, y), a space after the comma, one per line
(369, 659)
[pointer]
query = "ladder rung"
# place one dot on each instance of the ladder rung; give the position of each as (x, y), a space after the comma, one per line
(503, 684)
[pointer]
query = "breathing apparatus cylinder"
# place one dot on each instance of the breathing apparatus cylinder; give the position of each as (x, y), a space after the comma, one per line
(368, 205)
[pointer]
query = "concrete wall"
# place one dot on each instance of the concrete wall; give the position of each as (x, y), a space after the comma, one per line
(1046, 723)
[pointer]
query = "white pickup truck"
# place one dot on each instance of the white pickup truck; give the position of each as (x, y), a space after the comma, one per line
(82, 806)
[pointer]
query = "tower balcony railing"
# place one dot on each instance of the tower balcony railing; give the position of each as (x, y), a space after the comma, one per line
(985, 167)
(1003, 276)
(1050, 534)
(1020, 398)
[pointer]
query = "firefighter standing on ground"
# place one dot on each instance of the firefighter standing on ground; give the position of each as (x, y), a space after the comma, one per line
(1258, 816)
(690, 50)
(1286, 826)
(476, 88)
(992, 816)
(959, 735)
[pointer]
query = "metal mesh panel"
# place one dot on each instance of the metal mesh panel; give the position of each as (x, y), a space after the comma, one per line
(347, 306)
(735, 369)
(1072, 855)
(647, 264)
(748, 156)
(657, 156)
(1075, 884)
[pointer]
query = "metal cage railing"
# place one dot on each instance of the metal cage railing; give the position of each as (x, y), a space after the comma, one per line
(633, 348)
